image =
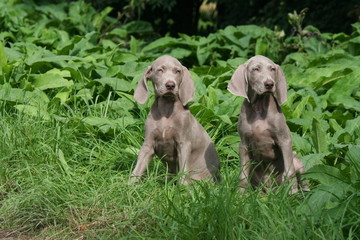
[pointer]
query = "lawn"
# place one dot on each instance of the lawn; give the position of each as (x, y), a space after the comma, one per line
(71, 130)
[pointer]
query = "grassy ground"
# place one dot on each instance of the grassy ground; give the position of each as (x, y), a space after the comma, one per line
(65, 165)
(60, 181)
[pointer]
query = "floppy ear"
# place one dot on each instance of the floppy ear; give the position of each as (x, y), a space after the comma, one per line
(281, 86)
(238, 84)
(186, 88)
(141, 91)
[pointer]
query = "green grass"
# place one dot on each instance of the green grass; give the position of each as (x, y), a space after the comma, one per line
(70, 130)
(61, 182)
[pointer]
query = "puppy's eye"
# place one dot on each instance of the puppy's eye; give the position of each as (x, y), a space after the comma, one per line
(177, 71)
(160, 70)
(273, 69)
(256, 69)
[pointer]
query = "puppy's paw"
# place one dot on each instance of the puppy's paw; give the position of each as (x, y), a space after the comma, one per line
(134, 179)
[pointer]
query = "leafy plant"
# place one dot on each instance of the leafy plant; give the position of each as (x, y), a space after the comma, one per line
(71, 129)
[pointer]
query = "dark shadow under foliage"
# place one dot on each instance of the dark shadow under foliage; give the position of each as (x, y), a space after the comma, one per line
(328, 16)
(175, 16)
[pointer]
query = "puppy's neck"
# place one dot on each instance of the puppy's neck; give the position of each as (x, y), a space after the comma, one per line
(165, 106)
(262, 104)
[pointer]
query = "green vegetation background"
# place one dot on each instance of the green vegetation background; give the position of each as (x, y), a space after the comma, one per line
(71, 131)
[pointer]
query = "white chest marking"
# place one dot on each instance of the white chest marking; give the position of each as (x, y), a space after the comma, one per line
(163, 133)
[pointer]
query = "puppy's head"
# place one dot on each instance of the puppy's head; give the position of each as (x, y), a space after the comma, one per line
(261, 74)
(258, 76)
(170, 79)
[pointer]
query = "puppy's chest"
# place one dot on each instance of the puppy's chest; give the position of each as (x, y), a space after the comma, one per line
(260, 131)
(166, 138)
(166, 130)
(260, 140)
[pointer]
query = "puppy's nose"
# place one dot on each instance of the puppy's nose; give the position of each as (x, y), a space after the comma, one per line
(170, 85)
(269, 84)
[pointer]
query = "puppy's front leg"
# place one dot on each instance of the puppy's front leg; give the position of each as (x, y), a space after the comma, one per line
(289, 168)
(184, 155)
(300, 169)
(145, 156)
(244, 166)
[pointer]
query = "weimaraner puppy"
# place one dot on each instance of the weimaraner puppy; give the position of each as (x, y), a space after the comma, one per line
(171, 132)
(266, 144)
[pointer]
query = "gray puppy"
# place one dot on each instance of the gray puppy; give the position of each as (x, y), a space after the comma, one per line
(171, 132)
(266, 144)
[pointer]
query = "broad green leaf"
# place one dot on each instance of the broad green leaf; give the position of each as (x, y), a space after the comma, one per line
(52, 79)
(63, 40)
(319, 77)
(319, 136)
(326, 198)
(305, 123)
(212, 99)
(351, 130)
(138, 27)
(108, 44)
(63, 95)
(38, 98)
(342, 92)
(235, 62)
(356, 27)
(334, 125)
(134, 45)
(3, 57)
(300, 108)
(353, 156)
(314, 204)
(202, 113)
(230, 106)
(261, 47)
(229, 145)
(112, 71)
(33, 111)
(55, 59)
(202, 54)
(99, 18)
(122, 106)
(83, 45)
(13, 54)
(166, 42)
(234, 36)
(225, 119)
(301, 144)
(85, 94)
(124, 57)
(120, 32)
(326, 174)
(133, 69)
(346, 102)
(81, 15)
(56, 11)
(116, 83)
(314, 46)
(297, 58)
(355, 40)
(106, 124)
(160, 43)
(14, 95)
(312, 160)
(180, 53)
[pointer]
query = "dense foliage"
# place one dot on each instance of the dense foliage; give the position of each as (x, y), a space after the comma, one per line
(168, 15)
(70, 129)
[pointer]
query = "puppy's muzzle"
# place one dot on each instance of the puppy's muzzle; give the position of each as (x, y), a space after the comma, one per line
(170, 85)
(269, 84)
